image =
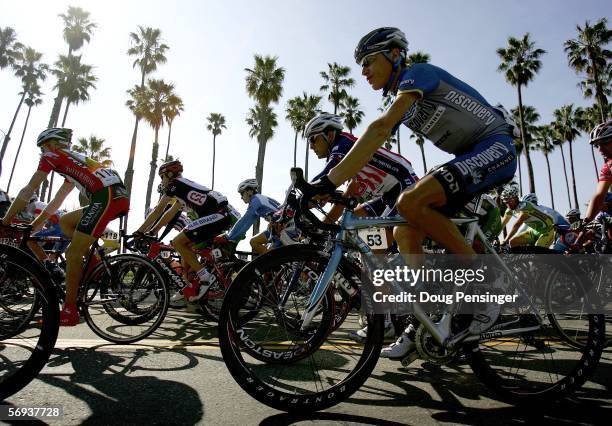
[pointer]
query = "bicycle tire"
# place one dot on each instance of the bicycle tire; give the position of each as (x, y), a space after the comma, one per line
(257, 386)
(48, 306)
(97, 285)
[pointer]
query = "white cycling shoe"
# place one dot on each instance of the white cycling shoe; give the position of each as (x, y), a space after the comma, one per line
(360, 335)
(401, 348)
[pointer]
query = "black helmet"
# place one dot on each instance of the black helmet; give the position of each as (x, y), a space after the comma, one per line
(174, 167)
(381, 40)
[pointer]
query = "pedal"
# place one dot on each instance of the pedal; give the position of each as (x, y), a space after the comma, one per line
(410, 358)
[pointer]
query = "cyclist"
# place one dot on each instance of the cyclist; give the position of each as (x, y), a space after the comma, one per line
(259, 206)
(458, 120)
(540, 230)
(214, 214)
(103, 187)
(490, 218)
(281, 232)
(600, 137)
(572, 216)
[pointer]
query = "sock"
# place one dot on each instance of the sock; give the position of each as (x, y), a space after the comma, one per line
(204, 275)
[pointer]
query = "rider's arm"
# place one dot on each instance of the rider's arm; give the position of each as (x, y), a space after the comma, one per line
(155, 214)
(167, 217)
(52, 207)
(505, 220)
(375, 135)
(519, 221)
(597, 200)
(241, 227)
(23, 198)
(336, 211)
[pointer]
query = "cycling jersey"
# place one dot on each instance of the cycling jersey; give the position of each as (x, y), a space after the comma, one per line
(385, 173)
(450, 113)
(490, 218)
(200, 199)
(558, 218)
(260, 206)
(605, 175)
(86, 174)
(537, 219)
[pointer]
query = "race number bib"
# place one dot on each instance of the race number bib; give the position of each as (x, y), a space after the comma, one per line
(375, 238)
(108, 177)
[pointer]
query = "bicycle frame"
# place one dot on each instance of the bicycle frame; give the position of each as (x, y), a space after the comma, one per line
(440, 331)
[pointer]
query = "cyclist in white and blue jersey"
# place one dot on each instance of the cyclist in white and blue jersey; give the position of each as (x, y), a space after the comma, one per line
(458, 120)
(260, 206)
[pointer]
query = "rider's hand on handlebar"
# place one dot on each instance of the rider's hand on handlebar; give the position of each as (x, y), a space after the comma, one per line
(323, 187)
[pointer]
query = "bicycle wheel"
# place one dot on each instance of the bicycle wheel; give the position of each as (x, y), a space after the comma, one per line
(29, 319)
(540, 365)
(126, 302)
(293, 370)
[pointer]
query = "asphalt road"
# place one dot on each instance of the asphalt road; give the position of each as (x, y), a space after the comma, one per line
(177, 376)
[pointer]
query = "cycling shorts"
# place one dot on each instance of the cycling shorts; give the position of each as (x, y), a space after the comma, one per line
(105, 205)
(488, 164)
(531, 237)
(207, 227)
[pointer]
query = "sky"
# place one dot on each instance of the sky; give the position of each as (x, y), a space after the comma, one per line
(212, 42)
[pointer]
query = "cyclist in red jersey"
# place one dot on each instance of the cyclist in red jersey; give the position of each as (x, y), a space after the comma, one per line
(601, 137)
(108, 199)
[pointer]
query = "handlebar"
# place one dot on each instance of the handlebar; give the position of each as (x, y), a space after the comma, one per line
(308, 192)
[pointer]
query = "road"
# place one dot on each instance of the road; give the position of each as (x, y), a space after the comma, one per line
(177, 376)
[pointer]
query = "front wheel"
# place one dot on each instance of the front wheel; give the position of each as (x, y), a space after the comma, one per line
(267, 352)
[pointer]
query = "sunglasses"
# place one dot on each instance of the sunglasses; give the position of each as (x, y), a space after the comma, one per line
(368, 60)
(313, 138)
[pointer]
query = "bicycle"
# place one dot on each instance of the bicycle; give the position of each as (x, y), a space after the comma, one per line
(331, 369)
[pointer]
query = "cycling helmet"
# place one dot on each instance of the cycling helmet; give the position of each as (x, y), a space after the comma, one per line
(62, 135)
(248, 184)
(381, 40)
(322, 122)
(572, 212)
(509, 192)
(175, 167)
(602, 133)
(531, 198)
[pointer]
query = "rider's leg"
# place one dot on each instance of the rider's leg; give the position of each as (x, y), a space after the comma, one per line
(182, 244)
(75, 252)
(523, 239)
(259, 243)
(418, 204)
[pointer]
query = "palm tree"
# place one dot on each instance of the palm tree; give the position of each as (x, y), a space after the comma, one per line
(77, 30)
(74, 80)
(216, 124)
(588, 88)
(310, 105)
(295, 115)
(173, 110)
(94, 149)
(530, 117)
(33, 99)
(518, 146)
(566, 128)
(588, 119)
(418, 58)
(146, 45)
(336, 81)
(420, 141)
(10, 48)
(544, 137)
(264, 84)
(155, 100)
(31, 71)
(520, 62)
(558, 142)
(352, 114)
(587, 53)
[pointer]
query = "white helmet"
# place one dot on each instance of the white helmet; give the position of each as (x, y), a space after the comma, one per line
(321, 122)
(601, 132)
(531, 198)
(509, 192)
(61, 135)
(248, 184)
(572, 212)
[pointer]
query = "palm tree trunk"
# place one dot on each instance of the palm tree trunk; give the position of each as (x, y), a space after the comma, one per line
(520, 177)
(552, 197)
(65, 113)
(295, 149)
(573, 175)
(50, 187)
(306, 162)
(399, 148)
(595, 163)
(523, 140)
(214, 156)
(569, 201)
(259, 168)
(601, 99)
(7, 137)
(168, 145)
(8, 187)
(423, 156)
(153, 164)
(55, 112)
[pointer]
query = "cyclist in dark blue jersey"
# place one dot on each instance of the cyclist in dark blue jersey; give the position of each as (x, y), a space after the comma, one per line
(456, 118)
